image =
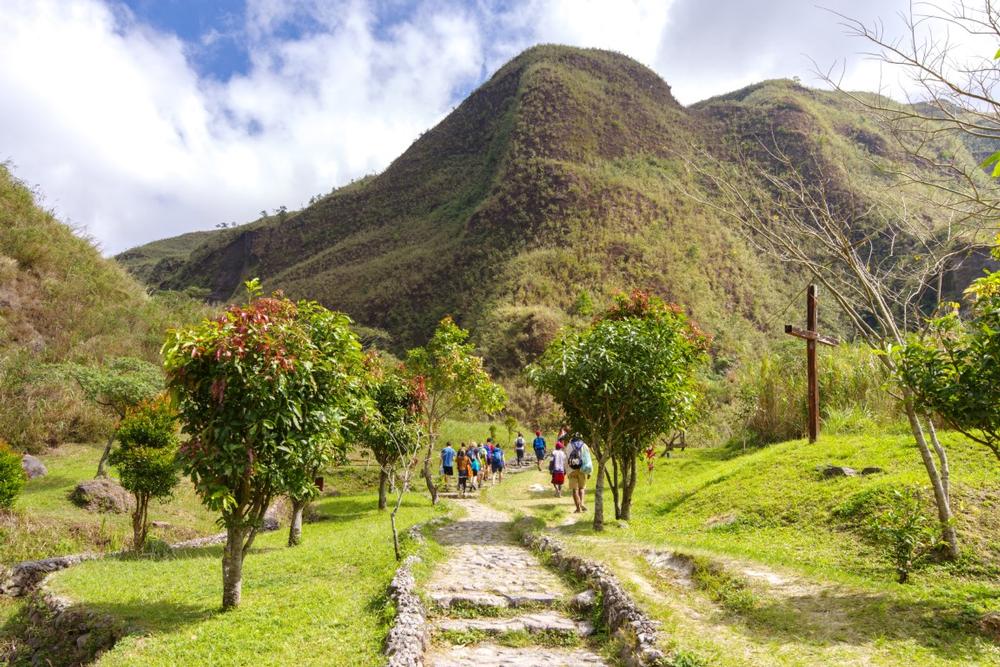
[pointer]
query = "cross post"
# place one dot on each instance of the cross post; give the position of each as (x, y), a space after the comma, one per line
(812, 337)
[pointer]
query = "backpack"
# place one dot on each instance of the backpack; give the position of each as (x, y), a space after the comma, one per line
(519, 443)
(575, 459)
(497, 455)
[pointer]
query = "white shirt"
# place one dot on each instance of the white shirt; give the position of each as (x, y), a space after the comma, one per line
(559, 461)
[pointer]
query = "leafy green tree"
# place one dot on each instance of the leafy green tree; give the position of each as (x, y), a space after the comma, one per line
(264, 392)
(624, 381)
(121, 384)
(391, 432)
(450, 378)
(12, 477)
(953, 369)
(146, 459)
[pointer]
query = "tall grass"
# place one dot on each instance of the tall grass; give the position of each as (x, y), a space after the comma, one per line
(773, 392)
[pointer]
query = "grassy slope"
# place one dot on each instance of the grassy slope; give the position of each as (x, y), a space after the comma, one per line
(322, 603)
(780, 514)
(46, 523)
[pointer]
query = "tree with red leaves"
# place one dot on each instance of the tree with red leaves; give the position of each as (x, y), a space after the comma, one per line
(264, 392)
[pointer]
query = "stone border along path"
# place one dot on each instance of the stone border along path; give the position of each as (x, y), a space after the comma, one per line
(490, 587)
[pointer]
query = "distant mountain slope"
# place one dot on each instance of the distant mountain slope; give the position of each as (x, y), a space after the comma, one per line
(556, 183)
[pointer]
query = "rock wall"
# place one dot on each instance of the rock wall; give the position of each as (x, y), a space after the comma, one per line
(619, 612)
(409, 636)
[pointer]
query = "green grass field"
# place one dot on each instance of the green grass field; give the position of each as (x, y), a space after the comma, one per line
(798, 584)
(322, 603)
(46, 523)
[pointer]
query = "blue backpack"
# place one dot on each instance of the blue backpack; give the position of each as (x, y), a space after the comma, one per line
(497, 455)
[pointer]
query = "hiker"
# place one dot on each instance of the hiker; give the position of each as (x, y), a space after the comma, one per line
(519, 449)
(557, 466)
(496, 463)
(539, 446)
(484, 464)
(447, 463)
(474, 466)
(463, 468)
(580, 467)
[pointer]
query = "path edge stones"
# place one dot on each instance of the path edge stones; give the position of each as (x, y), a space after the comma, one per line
(619, 612)
(409, 637)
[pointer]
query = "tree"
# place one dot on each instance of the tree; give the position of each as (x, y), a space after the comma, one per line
(622, 382)
(116, 387)
(263, 392)
(391, 432)
(954, 367)
(12, 476)
(146, 459)
(450, 379)
(878, 259)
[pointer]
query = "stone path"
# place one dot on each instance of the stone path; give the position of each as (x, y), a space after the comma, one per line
(491, 586)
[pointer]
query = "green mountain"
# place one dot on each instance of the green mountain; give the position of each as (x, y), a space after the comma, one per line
(559, 181)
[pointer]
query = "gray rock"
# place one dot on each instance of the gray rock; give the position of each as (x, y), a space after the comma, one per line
(33, 466)
(102, 495)
(837, 471)
(82, 640)
(585, 601)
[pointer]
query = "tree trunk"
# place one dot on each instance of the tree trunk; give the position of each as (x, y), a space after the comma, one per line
(428, 475)
(602, 468)
(383, 488)
(943, 502)
(614, 481)
(102, 465)
(232, 568)
(295, 527)
(628, 486)
(140, 527)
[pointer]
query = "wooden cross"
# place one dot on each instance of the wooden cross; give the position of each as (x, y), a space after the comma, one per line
(811, 336)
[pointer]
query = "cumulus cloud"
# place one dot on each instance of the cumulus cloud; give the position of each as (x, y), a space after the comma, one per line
(128, 138)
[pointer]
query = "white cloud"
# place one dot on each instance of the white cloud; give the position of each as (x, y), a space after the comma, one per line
(113, 121)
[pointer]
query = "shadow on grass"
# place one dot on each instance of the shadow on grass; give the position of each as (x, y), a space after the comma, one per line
(153, 616)
(832, 618)
(681, 498)
(50, 483)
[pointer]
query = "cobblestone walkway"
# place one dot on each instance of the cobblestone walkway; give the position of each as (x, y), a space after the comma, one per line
(491, 587)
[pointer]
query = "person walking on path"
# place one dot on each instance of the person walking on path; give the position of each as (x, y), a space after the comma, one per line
(497, 463)
(519, 449)
(447, 463)
(539, 447)
(473, 456)
(557, 466)
(580, 467)
(463, 468)
(484, 464)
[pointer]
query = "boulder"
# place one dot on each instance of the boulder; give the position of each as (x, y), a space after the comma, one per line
(989, 624)
(33, 466)
(837, 471)
(584, 602)
(102, 495)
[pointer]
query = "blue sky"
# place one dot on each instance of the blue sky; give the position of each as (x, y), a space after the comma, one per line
(147, 118)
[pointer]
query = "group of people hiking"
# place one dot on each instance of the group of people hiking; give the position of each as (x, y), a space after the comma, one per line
(474, 464)
(570, 463)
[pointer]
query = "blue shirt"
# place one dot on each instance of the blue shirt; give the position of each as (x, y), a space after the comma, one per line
(447, 457)
(539, 443)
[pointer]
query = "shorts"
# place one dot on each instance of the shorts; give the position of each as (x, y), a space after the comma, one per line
(578, 479)
(520, 455)
(463, 481)
(449, 471)
(539, 454)
(558, 477)
(497, 467)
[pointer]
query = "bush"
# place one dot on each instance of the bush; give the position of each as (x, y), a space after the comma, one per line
(904, 533)
(853, 399)
(145, 459)
(12, 476)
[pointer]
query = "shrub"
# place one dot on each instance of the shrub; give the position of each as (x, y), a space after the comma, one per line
(12, 476)
(904, 533)
(145, 459)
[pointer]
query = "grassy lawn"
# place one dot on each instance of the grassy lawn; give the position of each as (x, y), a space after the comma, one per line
(767, 516)
(322, 603)
(46, 523)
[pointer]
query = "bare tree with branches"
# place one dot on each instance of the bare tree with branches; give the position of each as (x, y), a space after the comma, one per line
(876, 258)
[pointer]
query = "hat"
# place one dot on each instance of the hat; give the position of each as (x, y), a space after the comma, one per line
(538, 432)
(559, 445)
